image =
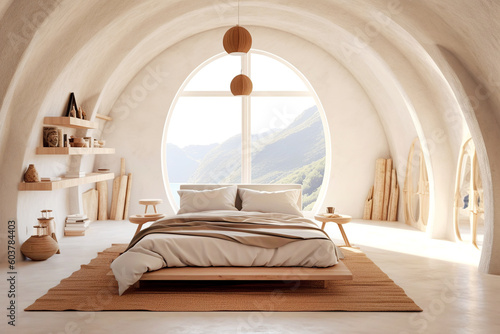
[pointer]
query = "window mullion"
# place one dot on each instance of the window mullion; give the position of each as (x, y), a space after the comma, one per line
(246, 130)
(246, 142)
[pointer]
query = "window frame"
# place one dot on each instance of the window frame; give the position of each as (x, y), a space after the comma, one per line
(246, 134)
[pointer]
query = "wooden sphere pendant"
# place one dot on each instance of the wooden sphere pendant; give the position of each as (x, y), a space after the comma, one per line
(237, 41)
(241, 85)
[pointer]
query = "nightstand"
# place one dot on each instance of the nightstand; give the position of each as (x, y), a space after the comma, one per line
(339, 220)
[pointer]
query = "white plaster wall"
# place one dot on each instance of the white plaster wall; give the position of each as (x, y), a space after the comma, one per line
(357, 137)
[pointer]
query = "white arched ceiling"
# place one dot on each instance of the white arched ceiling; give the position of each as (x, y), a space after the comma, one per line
(94, 48)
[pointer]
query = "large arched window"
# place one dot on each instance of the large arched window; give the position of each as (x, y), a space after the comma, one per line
(276, 135)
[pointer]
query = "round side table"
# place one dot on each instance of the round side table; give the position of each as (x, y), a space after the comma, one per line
(339, 220)
(143, 219)
(148, 202)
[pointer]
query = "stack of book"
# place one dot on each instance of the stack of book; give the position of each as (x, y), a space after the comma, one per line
(75, 174)
(76, 225)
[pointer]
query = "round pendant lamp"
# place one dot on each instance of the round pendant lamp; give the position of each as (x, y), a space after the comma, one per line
(237, 41)
(241, 85)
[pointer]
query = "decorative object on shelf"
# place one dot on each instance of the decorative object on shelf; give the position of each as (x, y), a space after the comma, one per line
(103, 170)
(47, 221)
(89, 141)
(382, 200)
(77, 142)
(50, 136)
(40, 246)
(50, 179)
(81, 114)
(237, 40)
(60, 138)
(71, 110)
(468, 189)
(241, 85)
(75, 174)
(31, 175)
(422, 192)
(330, 209)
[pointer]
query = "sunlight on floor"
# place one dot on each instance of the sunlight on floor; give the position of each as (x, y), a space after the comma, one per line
(399, 237)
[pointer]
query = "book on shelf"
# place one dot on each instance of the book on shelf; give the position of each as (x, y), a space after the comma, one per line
(74, 174)
(50, 179)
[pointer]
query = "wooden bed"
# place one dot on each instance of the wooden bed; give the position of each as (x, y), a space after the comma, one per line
(334, 273)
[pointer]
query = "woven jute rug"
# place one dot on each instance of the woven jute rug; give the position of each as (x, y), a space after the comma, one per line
(91, 289)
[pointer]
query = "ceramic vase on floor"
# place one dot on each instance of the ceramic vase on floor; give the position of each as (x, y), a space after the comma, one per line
(39, 248)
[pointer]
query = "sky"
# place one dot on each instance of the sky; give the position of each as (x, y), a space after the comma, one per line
(215, 119)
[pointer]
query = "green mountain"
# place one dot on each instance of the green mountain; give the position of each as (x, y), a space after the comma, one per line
(295, 154)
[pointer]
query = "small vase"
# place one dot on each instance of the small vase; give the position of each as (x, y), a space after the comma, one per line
(31, 174)
(39, 248)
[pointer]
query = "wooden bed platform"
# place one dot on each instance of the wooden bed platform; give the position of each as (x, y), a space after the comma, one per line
(337, 272)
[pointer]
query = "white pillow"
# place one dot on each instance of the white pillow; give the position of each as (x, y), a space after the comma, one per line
(205, 200)
(284, 201)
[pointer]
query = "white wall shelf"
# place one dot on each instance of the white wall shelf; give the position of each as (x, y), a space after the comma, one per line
(70, 122)
(65, 182)
(74, 150)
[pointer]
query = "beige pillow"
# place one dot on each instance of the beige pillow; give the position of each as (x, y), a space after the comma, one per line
(206, 200)
(284, 201)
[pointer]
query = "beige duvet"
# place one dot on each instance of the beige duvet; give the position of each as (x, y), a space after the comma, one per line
(225, 238)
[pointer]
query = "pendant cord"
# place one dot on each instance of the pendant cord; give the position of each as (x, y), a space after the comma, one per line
(238, 12)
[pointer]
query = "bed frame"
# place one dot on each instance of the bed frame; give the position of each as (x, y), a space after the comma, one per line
(334, 273)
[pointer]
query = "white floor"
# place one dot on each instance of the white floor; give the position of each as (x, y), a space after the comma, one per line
(440, 276)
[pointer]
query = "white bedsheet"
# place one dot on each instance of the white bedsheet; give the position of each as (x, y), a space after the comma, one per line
(156, 251)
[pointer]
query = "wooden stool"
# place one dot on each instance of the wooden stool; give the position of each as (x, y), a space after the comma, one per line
(143, 219)
(339, 219)
(148, 202)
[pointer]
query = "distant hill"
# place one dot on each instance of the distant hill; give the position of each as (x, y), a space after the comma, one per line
(183, 162)
(295, 154)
